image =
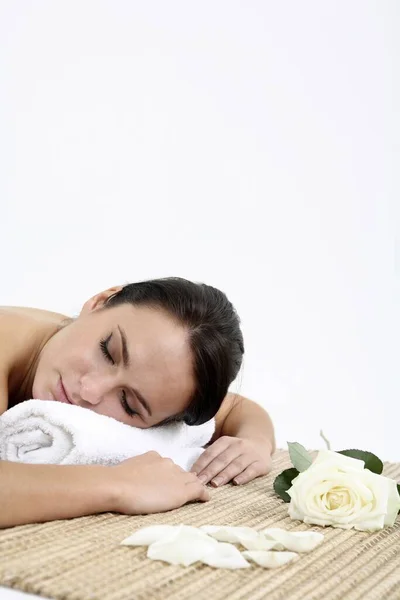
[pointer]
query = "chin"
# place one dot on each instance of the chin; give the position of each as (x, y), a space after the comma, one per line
(37, 394)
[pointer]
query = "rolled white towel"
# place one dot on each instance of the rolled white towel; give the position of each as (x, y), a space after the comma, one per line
(49, 432)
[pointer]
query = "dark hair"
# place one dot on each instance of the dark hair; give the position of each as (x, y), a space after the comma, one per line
(215, 338)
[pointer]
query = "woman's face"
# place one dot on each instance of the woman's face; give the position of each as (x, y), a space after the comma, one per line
(116, 361)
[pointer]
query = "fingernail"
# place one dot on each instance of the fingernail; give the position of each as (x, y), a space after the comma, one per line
(216, 482)
(236, 482)
(203, 478)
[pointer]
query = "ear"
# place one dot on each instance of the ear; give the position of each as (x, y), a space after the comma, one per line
(99, 300)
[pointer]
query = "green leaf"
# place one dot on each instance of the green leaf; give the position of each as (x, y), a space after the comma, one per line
(372, 462)
(299, 456)
(284, 482)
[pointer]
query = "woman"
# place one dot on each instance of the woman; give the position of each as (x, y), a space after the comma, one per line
(144, 354)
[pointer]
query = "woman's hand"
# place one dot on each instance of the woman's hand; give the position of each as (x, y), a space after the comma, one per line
(233, 458)
(149, 483)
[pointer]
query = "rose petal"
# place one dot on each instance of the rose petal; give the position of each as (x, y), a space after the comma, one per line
(225, 556)
(184, 546)
(296, 541)
(269, 560)
(228, 534)
(246, 536)
(329, 457)
(148, 535)
(258, 542)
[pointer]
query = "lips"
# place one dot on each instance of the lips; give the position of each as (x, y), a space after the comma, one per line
(61, 393)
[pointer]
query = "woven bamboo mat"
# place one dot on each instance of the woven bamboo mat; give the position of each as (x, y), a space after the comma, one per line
(81, 559)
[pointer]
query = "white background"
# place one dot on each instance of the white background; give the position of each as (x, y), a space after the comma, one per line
(251, 145)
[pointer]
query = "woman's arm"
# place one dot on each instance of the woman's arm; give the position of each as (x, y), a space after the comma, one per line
(241, 417)
(243, 444)
(37, 493)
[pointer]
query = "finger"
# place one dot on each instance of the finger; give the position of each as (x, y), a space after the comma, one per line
(221, 462)
(197, 491)
(208, 455)
(191, 478)
(231, 464)
(235, 468)
(251, 472)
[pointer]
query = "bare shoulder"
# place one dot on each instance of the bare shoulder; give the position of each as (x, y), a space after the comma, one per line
(19, 324)
(20, 329)
(24, 312)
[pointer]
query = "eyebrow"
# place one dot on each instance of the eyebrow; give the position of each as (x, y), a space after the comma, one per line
(127, 361)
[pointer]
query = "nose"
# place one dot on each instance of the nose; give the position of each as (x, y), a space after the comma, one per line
(94, 387)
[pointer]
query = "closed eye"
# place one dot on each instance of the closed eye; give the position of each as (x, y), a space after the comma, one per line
(105, 351)
(130, 411)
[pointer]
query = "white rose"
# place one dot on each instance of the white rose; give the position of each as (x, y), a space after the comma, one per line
(337, 490)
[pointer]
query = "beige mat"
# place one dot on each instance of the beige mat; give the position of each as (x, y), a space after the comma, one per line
(81, 559)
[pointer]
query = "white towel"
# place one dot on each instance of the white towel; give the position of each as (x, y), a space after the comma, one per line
(50, 432)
